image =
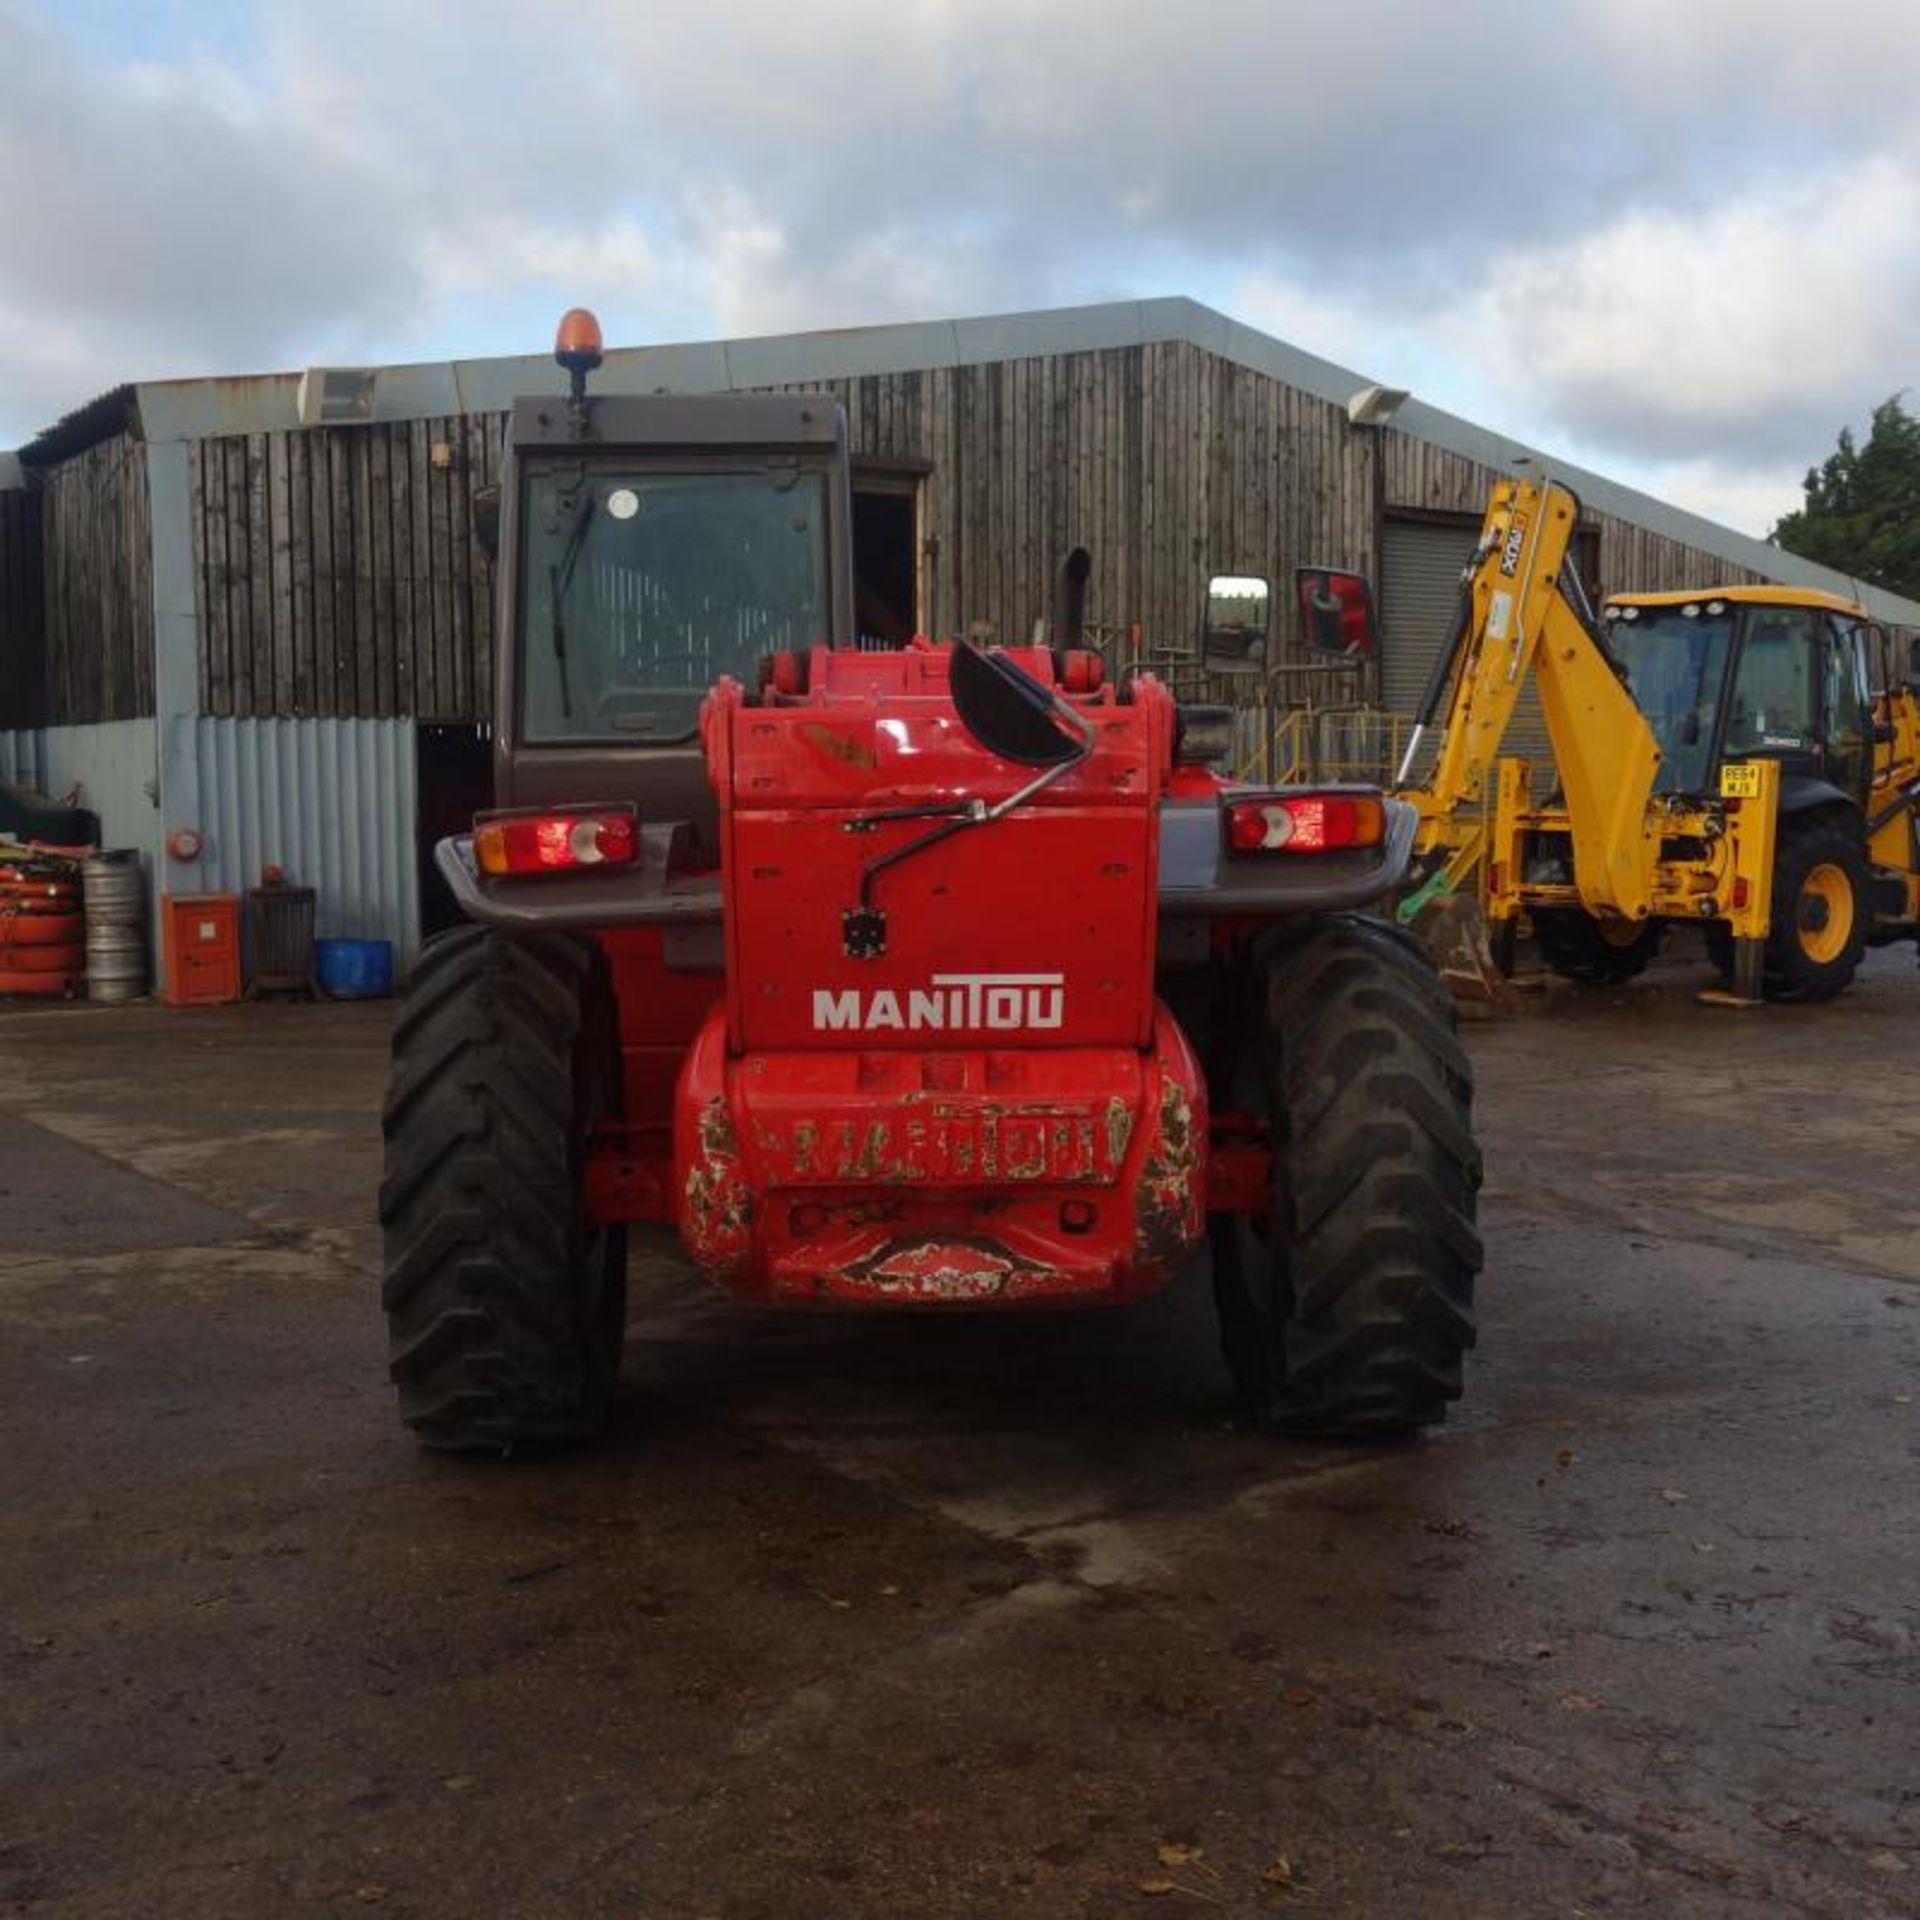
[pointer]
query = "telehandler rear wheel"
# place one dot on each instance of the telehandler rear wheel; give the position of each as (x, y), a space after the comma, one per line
(1598, 952)
(505, 1311)
(1349, 1307)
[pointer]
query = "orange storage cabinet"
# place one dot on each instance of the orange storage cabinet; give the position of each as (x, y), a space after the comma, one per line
(200, 943)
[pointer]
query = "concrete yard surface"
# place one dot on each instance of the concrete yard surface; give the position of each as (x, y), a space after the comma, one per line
(887, 1618)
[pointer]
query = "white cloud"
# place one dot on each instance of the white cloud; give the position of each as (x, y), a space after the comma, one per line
(1679, 233)
(1755, 326)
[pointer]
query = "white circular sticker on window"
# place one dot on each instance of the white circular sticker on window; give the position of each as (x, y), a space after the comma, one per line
(623, 503)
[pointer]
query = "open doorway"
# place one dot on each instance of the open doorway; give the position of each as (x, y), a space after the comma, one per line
(886, 555)
(453, 780)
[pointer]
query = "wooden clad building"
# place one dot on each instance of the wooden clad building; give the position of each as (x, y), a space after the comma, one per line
(188, 558)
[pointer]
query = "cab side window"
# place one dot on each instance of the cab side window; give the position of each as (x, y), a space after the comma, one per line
(1848, 706)
(1774, 703)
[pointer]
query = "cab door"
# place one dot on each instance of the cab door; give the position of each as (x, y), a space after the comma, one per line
(1846, 732)
(1774, 702)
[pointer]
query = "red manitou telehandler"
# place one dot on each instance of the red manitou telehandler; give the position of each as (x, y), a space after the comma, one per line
(936, 978)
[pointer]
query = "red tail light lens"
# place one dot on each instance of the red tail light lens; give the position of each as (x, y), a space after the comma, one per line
(559, 842)
(1305, 822)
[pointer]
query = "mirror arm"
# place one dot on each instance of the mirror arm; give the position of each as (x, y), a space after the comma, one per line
(973, 813)
(1077, 722)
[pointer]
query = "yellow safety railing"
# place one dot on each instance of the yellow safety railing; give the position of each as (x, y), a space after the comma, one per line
(1303, 745)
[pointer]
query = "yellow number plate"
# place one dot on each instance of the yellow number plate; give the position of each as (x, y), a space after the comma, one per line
(1741, 782)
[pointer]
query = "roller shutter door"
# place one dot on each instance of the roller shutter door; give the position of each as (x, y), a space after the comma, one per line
(1420, 566)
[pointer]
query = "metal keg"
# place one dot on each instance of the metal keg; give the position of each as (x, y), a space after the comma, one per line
(115, 889)
(116, 962)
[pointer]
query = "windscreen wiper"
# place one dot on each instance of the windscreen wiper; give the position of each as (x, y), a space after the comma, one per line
(559, 582)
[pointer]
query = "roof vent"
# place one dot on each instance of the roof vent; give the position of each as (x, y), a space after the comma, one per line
(336, 396)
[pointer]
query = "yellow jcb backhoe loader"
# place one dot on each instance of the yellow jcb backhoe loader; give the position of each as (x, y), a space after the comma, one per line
(1737, 757)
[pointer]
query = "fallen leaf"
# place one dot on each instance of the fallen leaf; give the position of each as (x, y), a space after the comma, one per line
(1566, 1457)
(1156, 1886)
(1462, 1850)
(889, 1592)
(838, 1605)
(1581, 1703)
(1280, 1874)
(371, 1894)
(1903, 1399)
(1673, 1496)
(1299, 1697)
(1173, 1854)
(458, 1782)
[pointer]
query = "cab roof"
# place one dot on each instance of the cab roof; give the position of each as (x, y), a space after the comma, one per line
(1760, 596)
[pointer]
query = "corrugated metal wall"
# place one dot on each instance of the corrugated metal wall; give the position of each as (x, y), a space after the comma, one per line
(111, 764)
(330, 802)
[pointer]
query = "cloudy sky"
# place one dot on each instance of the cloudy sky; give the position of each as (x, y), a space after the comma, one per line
(1678, 240)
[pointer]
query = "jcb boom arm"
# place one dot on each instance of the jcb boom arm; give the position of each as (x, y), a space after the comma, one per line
(1517, 619)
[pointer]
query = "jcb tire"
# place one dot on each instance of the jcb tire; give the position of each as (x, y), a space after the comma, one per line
(505, 1311)
(1349, 1309)
(1821, 909)
(1578, 947)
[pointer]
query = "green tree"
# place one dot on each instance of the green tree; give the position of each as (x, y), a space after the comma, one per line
(1862, 512)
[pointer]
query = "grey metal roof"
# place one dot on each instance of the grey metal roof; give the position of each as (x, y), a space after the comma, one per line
(195, 409)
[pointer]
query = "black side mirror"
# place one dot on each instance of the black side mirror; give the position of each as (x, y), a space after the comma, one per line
(1006, 710)
(1336, 612)
(486, 519)
(1239, 618)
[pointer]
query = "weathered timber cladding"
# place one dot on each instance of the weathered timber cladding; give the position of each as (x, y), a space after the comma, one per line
(23, 649)
(1428, 479)
(336, 573)
(76, 591)
(1166, 463)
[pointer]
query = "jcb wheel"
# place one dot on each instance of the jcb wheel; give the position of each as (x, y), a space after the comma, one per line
(1349, 1308)
(1598, 952)
(1820, 910)
(505, 1310)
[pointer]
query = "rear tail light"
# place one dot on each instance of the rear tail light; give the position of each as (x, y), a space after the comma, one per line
(1305, 822)
(561, 841)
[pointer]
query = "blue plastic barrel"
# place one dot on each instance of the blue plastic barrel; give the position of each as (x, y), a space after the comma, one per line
(355, 969)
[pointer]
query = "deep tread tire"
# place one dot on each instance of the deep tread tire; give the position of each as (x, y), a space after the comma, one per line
(1350, 1311)
(505, 1315)
(1576, 948)
(1807, 844)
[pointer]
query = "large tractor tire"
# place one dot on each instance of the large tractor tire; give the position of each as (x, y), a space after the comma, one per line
(1595, 952)
(1348, 1309)
(505, 1310)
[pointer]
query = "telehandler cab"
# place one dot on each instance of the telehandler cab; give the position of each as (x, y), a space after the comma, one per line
(938, 977)
(1739, 758)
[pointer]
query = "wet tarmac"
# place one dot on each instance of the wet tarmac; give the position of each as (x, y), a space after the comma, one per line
(983, 1617)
